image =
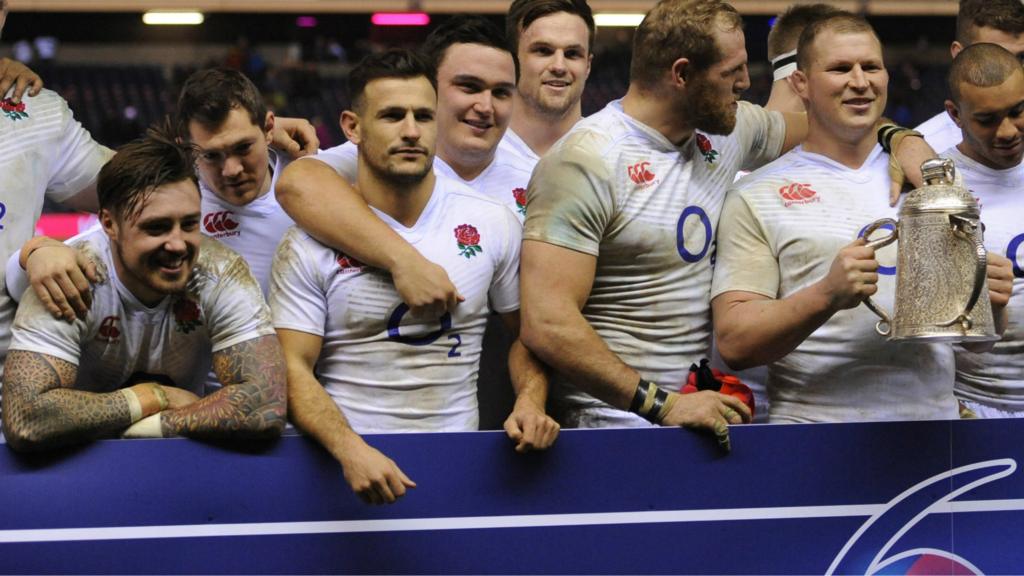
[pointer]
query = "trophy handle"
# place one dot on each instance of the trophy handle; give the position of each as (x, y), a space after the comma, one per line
(883, 326)
(964, 228)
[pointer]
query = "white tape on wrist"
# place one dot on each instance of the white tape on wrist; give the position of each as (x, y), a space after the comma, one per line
(148, 427)
(134, 405)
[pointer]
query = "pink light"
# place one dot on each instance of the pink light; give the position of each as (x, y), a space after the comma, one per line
(400, 19)
(306, 22)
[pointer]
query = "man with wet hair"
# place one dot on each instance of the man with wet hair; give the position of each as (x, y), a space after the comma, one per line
(986, 86)
(171, 302)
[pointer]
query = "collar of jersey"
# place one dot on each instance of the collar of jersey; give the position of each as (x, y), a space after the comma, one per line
(414, 233)
(1010, 178)
(861, 175)
(132, 305)
(656, 137)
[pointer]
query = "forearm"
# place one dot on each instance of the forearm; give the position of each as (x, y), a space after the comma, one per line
(35, 418)
(529, 379)
(756, 332)
(252, 402)
(330, 210)
(564, 340)
(313, 411)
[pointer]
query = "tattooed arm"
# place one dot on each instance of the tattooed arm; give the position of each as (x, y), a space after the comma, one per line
(42, 411)
(250, 405)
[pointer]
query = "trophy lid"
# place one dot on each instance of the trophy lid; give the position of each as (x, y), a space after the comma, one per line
(940, 192)
(938, 171)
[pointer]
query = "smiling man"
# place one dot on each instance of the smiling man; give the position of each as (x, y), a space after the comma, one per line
(790, 277)
(171, 303)
(359, 360)
(986, 84)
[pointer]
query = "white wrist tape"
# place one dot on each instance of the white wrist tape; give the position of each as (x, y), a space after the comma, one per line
(134, 406)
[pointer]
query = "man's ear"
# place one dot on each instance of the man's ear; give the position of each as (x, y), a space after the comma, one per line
(955, 48)
(681, 71)
(349, 123)
(798, 81)
(109, 224)
(954, 113)
(268, 126)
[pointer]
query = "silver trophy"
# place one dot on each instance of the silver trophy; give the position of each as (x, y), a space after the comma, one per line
(941, 285)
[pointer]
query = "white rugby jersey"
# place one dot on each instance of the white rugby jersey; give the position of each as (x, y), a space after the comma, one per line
(122, 341)
(940, 132)
(996, 378)
(505, 179)
(648, 211)
(43, 151)
(253, 230)
(387, 370)
(780, 232)
(512, 144)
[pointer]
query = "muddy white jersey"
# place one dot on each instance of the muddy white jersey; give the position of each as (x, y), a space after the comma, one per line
(387, 370)
(514, 146)
(344, 158)
(44, 151)
(940, 132)
(996, 378)
(781, 229)
(647, 210)
(253, 230)
(122, 340)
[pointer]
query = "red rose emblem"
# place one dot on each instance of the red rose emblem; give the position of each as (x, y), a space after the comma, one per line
(12, 110)
(468, 239)
(186, 314)
(703, 143)
(467, 234)
(520, 195)
(346, 262)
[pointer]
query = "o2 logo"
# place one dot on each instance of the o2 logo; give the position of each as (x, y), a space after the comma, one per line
(394, 334)
(689, 213)
(883, 270)
(1012, 249)
(3, 212)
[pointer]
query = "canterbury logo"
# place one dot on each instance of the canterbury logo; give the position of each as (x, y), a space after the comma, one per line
(108, 331)
(798, 194)
(639, 173)
(215, 222)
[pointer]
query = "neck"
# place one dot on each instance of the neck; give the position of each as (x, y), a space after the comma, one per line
(783, 99)
(973, 155)
(540, 131)
(403, 201)
(850, 150)
(467, 168)
(658, 112)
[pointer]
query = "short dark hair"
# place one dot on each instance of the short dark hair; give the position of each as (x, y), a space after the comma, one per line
(785, 33)
(140, 167)
(522, 13)
(462, 30)
(982, 65)
(1004, 15)
(392, 63)
(842, 22)
(676, 29)
(208, 96)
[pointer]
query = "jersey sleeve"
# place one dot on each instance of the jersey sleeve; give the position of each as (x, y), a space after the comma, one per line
(234, 307)
(35, 330)
(344, 159)
(763, 133)
(78, 161)
(745, 259)
(504, 291)
(570, 200)
(297, 298)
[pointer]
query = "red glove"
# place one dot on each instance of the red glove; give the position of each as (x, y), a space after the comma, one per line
(704, 377)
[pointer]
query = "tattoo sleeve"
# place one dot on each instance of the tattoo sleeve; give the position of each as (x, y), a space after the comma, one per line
(252, 402)
(42, 411)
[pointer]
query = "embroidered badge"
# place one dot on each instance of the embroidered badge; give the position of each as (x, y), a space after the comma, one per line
(798, 194)
(12, 110)
(520, 195)
(186, 314)
(706, 149)
(348, 263)
(640, 173)
(468, 239)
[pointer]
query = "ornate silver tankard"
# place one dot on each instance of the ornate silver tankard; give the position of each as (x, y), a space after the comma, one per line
(941, 286)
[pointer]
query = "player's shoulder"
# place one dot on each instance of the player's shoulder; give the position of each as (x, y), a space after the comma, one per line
(461, 197)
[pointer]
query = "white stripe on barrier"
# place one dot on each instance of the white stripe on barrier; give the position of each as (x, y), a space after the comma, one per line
(467, 522)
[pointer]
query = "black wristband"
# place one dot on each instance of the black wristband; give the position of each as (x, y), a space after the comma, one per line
(644, 405)
(885, 134)
(639, 396)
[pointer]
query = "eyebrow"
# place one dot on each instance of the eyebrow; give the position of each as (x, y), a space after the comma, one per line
(471, 79)
(537, 43)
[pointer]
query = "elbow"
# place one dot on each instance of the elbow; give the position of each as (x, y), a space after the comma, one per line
(540, 337)
(733, 352)
(22, 439)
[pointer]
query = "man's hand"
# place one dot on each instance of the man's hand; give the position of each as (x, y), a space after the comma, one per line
(425, 287)
(14, 73)
(1000, 281)
(707, 410)
(852, 277)
(296, 137)
(905, 162)
(373, 476)
(177, 397)
(529, 427)
(60, 277)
